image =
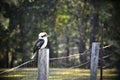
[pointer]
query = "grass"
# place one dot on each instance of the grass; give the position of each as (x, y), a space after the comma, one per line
(57, 74)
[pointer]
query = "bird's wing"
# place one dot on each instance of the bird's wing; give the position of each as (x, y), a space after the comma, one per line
(38, 45)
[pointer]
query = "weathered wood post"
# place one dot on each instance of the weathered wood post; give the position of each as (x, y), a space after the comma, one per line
(43, 64)
(94, 60)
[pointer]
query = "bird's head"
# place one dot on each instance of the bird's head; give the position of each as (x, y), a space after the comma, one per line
(43, 35)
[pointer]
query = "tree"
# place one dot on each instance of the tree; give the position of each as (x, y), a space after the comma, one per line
(114, 34)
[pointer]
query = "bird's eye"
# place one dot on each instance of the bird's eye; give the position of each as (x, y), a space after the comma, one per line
(44, 35)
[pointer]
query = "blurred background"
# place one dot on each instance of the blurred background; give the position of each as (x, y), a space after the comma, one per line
(72, 25)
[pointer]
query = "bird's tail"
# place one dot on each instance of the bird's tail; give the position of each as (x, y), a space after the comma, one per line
(33, 55)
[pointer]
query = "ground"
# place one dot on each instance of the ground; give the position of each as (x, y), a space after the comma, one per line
(57, 74)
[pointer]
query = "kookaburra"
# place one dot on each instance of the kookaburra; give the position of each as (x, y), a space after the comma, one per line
(41, 43)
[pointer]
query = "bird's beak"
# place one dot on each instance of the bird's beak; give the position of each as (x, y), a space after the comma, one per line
(48, 35)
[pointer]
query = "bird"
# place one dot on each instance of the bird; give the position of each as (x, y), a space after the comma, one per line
(41, 43)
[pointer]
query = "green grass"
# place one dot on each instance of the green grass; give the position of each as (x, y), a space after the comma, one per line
(57, 74)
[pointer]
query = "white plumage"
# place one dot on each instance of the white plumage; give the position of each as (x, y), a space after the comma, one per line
(41, 43)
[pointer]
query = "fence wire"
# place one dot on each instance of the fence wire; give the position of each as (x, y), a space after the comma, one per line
(24, 71)
(61, 68)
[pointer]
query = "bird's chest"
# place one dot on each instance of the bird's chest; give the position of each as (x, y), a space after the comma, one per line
(44, 44)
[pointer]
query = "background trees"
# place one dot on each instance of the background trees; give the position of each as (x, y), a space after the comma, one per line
(72, 24)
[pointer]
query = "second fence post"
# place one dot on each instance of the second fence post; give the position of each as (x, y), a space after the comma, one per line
(43, 64)
(94, 60)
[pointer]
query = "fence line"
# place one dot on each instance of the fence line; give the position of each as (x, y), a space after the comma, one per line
(75, 55)
(58, 58)
(80, 64)
(107, 46)
(64, 57)
(107, 56)
(86, 51)
(9, 70)
(108, 65)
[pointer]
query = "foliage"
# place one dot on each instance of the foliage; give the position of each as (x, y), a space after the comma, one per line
(72, 24)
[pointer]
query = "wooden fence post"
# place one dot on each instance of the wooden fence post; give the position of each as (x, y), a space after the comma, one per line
(43, 64)
(94, 60)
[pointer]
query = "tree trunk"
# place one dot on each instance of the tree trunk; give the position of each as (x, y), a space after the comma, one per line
(81, 43)
(7, 60)
(94, 21)
(81, 47)
(12, 60)
(7, 56)
(67, 49)
(23, 37)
